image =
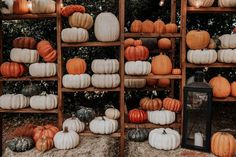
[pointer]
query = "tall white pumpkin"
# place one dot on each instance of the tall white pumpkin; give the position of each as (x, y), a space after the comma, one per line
(137, 68)
(74, 35)
(105, 80)
(43, 69)
(227, 3)
(76, 81)
(43, 102)
(43, 6)
(105, 66)
(202, 56)
(107, 27)
(13, 101)
(200, 3)
(228, 41)
(161, 117)
(135, 83)
(227, 55)
(74, 124)
(24, 55)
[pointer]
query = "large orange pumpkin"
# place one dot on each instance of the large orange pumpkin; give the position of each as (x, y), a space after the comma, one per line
(150, 104)
(44, 143)
(159, 27)
(165, 82)
(24, 42)
(173, 105)
(161, 65)
(46, 51)
(20, 7)
(12, 69)
(171, 28)
(134, 53)
(233, 89)
(76, 66)
(48, 131)
(131, 42)
(137, 116)
(136, 26)
(147, 26)
(164, 43)
(150, 81)
(223, 144)
(197, 39)
(70, 9)
(221, 87)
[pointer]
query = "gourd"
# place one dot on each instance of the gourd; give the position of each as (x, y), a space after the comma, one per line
(43, 69)
(106, 27)
(24, 55)
(162, 117)
(81, 20)
(161, 65)
(12, 69)
(202, 56)
(228, 41)
(105, 66)
(227, 55)
(233, 89)
(159, 27)
(135, 83)
(173, 105)
(136, 26)
(8, 9)
(66, 139)
(43, 102)
(137, 68)
(31, 90)
(150, 104)
(48, 131)
(112, 113)
(46, 51)
(70, 9)
(74, 35)
(131, 42)
(201, 3)
(147, 26)
(76, 81)
(105, 80)
(165, 139)
(20, 144)
(197, 39)
(85, 114)
(138, 135)
(44, 144)
(73, 123)
(13, 101)
(226, 3)
(165, 82)
(220, 86)
(43, 6)
(164, 43)
(24, 42)
(76, 66)
(134, 53)
(176, 71)
(137, 116)
(103, 125)
(20, 7)
(171, 28)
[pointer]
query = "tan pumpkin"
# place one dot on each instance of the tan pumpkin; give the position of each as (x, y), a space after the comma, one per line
(150, 104)
(81, 20)
(233, 89)
(201, 3)
(171, 28)
(150, 81)
(44, 143)
(159, 27)
(131, 42)
(221, 87)
(226, 3)
(173, 105)
(163, 82)
(147, 26)
(197, 39)
(136, 26)
(43, 6)
(164, 43)
(176, 71)
(161, 65)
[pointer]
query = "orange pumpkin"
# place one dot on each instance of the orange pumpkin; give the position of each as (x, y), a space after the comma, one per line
(76, 66)
(161, 65)
(12, 69)
(20, 7)
(233, 89)
(164, 43)
(234, 30)
(136, 26)
(176, 71)
(197, 39)
(173, 105)
(150, 104)
(137, 116)
(163, 82)
(48, 131)
(24, 42)
(44, 143)
(159, 27)
(147, 26)
(70, 9)
(223, 144)
(150, 81)
(221, 87)
(46, 51)
(171, 28)
(134, 53)
(131, 42)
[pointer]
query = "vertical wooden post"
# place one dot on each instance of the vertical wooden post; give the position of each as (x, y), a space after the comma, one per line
(1, 84)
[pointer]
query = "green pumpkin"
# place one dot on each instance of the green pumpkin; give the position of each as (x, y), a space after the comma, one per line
(21, 144)
(138, 135)
(31, 90)
(85, 114)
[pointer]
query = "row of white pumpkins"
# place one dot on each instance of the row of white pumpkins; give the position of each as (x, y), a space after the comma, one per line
(209, 3)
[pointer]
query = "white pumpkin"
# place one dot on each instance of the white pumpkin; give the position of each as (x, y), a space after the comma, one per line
(81, 20)
(105, 80)
(227, 3)
(74, 124)
(24, 55)
(112, 113)
(161, 117)
(74, 35)
(43, 102)
(43, 69)
(200, 3)
(105, 66)
(135, 83)
(9, 9)
(103, 125)
(137, 68)
(13, 101)
(43, 6)
(228, 41)
(66, 139)
(106, 27)
(202, 56)
(227, 56)
(164, 139)
(76, 81)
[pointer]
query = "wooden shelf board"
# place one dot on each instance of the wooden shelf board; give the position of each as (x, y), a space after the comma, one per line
(91, 89)
(147, 88)
(28, 110)
(89, 133)
(95, 44)
(27, 16)
(214, 65)
(228, 99)
(151, 126)
(212, 10)
(29, 78)
(152, 35)
(154, 77)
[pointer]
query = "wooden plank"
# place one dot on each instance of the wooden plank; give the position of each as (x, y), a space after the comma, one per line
(90, 89)
(1, 83)
(89, 133)
(212, 10)
(214, 65)
(148, 88)
(151, 126)
(228, 99)
(154, 77)
(152, 35)
(27, 16)
(28, 110)
(29, 78)
(94, 44)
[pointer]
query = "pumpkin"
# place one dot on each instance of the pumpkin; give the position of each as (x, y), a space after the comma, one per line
(150, 43)
(201, 56)
(138, 135)
(48, 131)
(44, 143)
(131, 42)
(105, 66)
(176, 71)
(137, 68)
(73, 123)
(85, 114)
(233, 89)
(43, 102)
(136, 26)
(227, 56)
(81, 20)
(76, 66)
(214, 43)
(162, 117)
(201, 3)
(24, 55)
(46, 51)
(66, 139)
(103, 125)
(220, 86)
(171, 28)
(112, 113)
(173, 105)
(70, 9)
(150, 81)
(159, 27)
(26, 130)
(134, 53)
(165, 139)
(147, 26)
(223, 144)
(135, 83)
(43, 6)
(43, 69)
(107, 27)
(228, 41)
(105, 80)
(20, 144)
(226, 3)
(12, 69)
(13, 101)
(161, 65)
(20, 7)
(76, 81)
(197, 39)
(31, 90)
(137, 116)
(8, 8)
(164, 43)
(74, 35)
(150, 104)
(165, 82)
(24, 42)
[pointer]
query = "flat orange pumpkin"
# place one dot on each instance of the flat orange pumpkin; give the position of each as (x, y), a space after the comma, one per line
(197, 39)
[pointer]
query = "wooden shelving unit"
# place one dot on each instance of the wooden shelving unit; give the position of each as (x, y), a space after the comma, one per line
(27, 16)
(154, 77)
(152, 35)
(211, 10)
(92, 44)
(29, 78)
(29, 110)
(214, 65)
(91, 89)
(152, 126)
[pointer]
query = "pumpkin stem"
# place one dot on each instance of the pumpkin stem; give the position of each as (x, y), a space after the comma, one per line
(164, 132)
(65, 130)
(103, 117)
(73, 116)
(44, 93)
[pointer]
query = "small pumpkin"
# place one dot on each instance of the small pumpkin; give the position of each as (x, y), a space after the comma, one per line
(228, 41)
(31, 90)
(202, 56)
(85, 114)
(226, 3)
(159, 27)
(8, 8)
(43, 69)
(24, 42)
(43, 6)
(227, 56)
(138, 135)
(151, 81)
(24, 55)
(171, 28)
(220, 86)
(12, 69)
(76, 66)
(81, 20)
(176, 71)
(136, 26)
(112, 113)
(13, 101)
(20, 7)
(44, 131)
(70, 9)
(214, 43)
(201, 3)
(73, 123)
(150, 104)
(197, 39)
(105, 66)
(135, 83)
(26, 130)
(131, 42)
(74, 35)
(134, 53)
(105, 80)
(162, 117)
(173, 105)
(164, 82)
(76, 81)
(233, 89)
(43, 101)
(164, 43)
(147, 26)
(46, 51)
(137, 116)
(20, 144)
(137, 68)
(161, 65)
(44, 144)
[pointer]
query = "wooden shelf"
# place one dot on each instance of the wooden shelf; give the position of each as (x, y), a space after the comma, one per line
(27, 16)
(152, 126)
(29, 78)
(228, 99)
(148, 88)
(95, 44)
(28, 110)
(214, 65)
(152, 35)
(154, 77)
(91, 89)
(212, 10)
(89, 133)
